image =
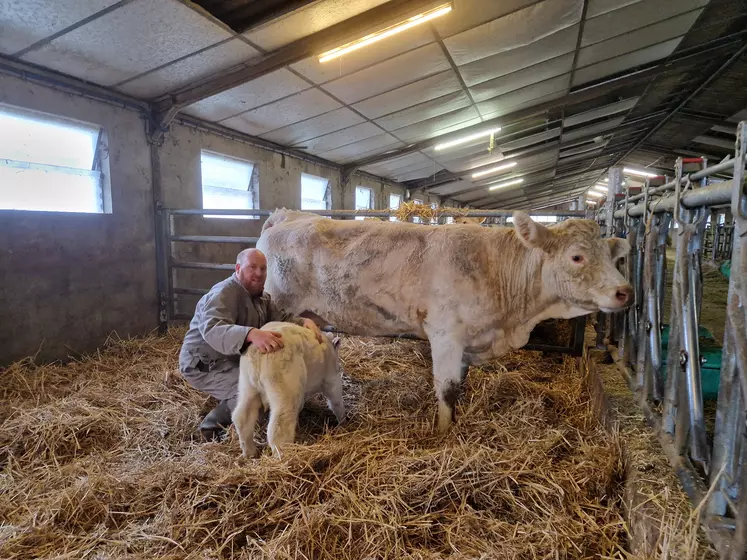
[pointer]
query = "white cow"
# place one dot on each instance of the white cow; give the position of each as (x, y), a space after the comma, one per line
(473, 292)
(281, 380)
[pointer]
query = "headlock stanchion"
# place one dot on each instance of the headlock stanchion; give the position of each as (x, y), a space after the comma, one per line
(667, 365)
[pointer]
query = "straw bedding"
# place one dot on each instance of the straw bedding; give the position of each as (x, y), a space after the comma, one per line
(99, 460)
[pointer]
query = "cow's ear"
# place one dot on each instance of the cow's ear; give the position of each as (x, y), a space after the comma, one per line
(618, 247)
(530, 232)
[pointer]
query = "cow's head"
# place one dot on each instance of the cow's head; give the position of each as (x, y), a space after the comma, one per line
(579, 263)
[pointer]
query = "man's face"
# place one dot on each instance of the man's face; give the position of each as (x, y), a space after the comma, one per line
(252, 273)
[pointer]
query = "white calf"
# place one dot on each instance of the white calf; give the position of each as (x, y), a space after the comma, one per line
(281, 380)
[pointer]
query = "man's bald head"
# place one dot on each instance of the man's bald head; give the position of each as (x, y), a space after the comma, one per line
(247, 254)
(251, 270)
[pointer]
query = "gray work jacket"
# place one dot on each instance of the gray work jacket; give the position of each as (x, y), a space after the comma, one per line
(222, 320)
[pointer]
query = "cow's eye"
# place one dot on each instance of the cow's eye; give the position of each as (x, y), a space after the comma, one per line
(577, 258)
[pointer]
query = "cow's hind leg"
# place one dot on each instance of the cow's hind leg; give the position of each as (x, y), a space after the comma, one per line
(447, 377)
(244, 419)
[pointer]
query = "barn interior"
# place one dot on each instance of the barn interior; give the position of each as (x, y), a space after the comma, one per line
(123, 121)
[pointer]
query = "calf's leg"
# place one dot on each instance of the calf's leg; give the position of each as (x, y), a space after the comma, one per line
(245, 419)
(333, 393)
(284, 409)
(447, 377)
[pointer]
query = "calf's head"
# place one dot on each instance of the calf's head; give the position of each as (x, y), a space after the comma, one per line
(578, 264)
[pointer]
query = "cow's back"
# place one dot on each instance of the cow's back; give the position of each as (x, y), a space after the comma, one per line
(367, 277)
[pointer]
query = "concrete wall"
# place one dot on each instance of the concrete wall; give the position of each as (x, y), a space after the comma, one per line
(68, 280)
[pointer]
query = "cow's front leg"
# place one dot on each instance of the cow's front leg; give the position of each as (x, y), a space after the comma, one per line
(447, 377)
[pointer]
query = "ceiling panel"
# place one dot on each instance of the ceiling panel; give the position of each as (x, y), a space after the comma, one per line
(523, 78)
(342, 137)
(537, 138)
(364, 148)
(314, 127)
(409, 95)
(424, 111)
(634, 16)
(515, 30)
(414, 175)
(307, 20)
(520, 58)
(196, 67)
(295, 108)
(605, 111)
(599, 7)
(637, 39)
(320, 73)
(129, 41)
(25, 22)
(527, 96)
(529, 76)
(251, 95)
(466, 162)
(389, 74)
(625, 62)
(429, 129)
(449, 188)
(434, 126)
(400, 164)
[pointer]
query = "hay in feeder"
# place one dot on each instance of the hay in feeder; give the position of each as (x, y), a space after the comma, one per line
(410, 209)
(99, 460)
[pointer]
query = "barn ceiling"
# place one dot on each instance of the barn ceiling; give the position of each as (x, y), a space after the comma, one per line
(575, 86)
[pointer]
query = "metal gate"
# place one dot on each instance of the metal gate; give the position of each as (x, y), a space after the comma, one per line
(670, 385)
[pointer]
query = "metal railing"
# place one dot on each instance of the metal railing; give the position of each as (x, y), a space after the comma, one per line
(169, 294)
(669, 384)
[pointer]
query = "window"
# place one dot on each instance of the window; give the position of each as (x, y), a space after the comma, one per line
(314, 193)
(416, 219)
(363, 200)
(434, 206)
(539, 219)
(51, 164)
(394, 201)
(228, 183)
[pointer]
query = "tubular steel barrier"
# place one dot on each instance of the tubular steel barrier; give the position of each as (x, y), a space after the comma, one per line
(168, 293)
(672, 379)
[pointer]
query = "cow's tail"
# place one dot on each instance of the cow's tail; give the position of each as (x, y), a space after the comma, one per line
(277, 217)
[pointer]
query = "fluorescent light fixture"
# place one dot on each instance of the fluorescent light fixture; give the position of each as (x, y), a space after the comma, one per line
(600, 188)
(465, 139)
(639, 173)
(595, 194)
(494, 169)
(605, 180)
(591, 202)
(386, 32)
(506, 184)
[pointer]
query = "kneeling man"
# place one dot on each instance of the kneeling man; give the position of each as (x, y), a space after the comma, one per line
(226, 321)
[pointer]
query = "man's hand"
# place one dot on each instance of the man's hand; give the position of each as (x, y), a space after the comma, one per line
(311, 325)
(266, 341)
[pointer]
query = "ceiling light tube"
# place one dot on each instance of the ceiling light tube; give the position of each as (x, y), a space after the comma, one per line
(386, 32)
(639, 173)
(466, 139)
(595, 194)
(591, 202)
(494, 169)
(600, 188)
(506, 184)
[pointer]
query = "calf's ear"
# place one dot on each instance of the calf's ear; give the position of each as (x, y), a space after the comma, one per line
(336, 342)
(618, 247)
(530, 232)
